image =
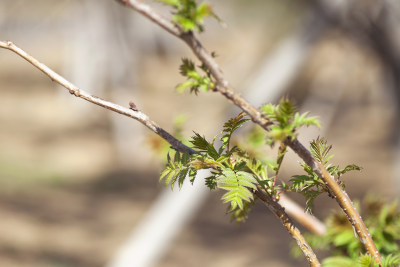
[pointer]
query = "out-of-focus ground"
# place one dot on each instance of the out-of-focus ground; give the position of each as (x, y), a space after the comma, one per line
(66, 196)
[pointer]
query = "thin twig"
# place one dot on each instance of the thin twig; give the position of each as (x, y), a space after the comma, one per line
(297, 212)
(280, 213)
(129, 112)
(225, 89)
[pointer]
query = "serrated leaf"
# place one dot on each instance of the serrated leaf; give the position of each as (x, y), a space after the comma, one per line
(199, 142)
(320, 150)
(348, 168)
(164, 173)
(367, 260)
(391, 260)
(170, 176)
(182, 175)
(240, 166)
(237, 185)
(230, 127)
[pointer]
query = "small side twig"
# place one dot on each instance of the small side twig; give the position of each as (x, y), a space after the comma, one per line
(297, 212)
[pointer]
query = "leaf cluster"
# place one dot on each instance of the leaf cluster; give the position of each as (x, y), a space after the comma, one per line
(309, 184)
(231, 168)
(195, 81)
(285, 120)
(189, 15)
(177, 169)
(383, 221)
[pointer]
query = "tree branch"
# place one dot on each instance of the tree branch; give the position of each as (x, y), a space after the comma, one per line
(340, 195)
(134, 113)
(297, 212)
(74, 90)
(224, 88)
(280, 213)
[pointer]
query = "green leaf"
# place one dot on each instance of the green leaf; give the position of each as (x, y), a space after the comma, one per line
(348, 168)
(338, 261)
(285, 120)
(311, 195)
(230, 127)
(391, 260)
(200, 143)
(258, 168)
(174, 3)
(203, 10)
(182, 175)
(241, 215)
(177, 169)
(367, 260)
(211, 182)
(196, 81)
(180, 88)
(237, 184)
(188, 15)
(320, 150)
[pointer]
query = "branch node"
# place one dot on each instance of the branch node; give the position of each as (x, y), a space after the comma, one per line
(74, 92)
(133, 106)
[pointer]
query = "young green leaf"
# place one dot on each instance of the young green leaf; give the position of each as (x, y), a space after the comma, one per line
(196, 81)
(230, 127)
(237, 184)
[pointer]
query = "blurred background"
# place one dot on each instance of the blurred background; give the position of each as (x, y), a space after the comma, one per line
(77, 180)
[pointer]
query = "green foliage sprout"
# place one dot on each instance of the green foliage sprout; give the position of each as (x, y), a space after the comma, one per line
(189, 15)
(285, 120)
(240, 174)
(195, 81)
(231, 168)
(309, 184)
(383, 220)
